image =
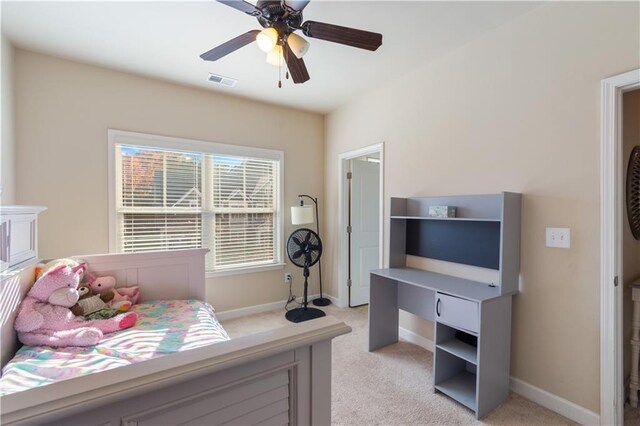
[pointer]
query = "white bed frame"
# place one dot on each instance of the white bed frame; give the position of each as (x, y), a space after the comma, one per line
(282, 376)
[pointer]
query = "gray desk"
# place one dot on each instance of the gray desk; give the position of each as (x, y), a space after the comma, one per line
(476, 377)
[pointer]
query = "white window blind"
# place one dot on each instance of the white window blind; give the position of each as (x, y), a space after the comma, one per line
(244, 206)
(176, 199)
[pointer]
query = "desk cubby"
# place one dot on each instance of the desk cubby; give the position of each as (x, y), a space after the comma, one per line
(485, 234)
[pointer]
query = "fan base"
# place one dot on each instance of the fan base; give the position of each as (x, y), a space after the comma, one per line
(302, 314)
(321, 301)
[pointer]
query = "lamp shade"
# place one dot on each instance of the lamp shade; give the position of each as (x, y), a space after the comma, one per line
(274, 57)
(298, 45)
(267, 38)
(301, 215)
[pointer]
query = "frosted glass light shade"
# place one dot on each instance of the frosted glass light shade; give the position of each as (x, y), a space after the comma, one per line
(274, 57)
(301, 215)
(267, 38)
(298, 45)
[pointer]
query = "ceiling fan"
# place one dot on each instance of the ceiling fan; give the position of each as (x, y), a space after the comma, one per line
(280, 19)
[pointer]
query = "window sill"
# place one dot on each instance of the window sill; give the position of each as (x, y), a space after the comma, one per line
(245, 270)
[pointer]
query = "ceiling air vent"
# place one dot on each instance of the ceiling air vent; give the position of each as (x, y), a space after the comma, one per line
(223, 81)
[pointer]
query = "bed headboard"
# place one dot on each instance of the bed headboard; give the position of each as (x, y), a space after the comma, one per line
(177, 274)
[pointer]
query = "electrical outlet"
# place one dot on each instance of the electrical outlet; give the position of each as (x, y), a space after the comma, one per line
(287, 277)
(558, 237)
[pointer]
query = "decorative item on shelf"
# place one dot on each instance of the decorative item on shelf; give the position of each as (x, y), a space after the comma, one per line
(633, 192)
(302, 215)
(442, 211)
(304, 249)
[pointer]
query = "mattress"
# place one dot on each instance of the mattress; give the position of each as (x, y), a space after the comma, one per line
(164, 327)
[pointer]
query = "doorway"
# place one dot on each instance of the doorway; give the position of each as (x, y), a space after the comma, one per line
(361, 230)
(612, 281)
(630, 255)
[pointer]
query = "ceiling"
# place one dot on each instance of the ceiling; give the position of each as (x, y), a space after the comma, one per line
(164, 40)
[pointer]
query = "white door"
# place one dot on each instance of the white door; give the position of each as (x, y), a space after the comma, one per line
(365, 228)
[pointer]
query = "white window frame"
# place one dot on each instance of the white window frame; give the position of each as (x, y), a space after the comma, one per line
(157, 141)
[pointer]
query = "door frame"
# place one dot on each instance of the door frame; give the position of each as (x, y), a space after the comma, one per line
(343, 244)
(611, 225)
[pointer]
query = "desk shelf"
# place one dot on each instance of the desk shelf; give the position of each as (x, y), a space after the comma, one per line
(455, 219)
(461, 350)
(462, 388)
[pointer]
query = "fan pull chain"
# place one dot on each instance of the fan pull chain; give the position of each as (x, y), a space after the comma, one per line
(279, 74)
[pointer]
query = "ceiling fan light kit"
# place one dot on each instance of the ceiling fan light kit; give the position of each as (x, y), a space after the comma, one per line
(299, 46)
(275, 56)
(267, 39)
(280, 19)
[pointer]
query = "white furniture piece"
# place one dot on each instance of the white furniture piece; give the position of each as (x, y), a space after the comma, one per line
(281, 376)
(18, 235)
(634, 384)
(486, 234)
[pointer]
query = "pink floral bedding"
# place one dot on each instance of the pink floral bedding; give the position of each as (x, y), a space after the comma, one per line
(163, 327)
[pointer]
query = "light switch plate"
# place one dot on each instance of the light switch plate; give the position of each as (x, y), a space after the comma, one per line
(558, 237)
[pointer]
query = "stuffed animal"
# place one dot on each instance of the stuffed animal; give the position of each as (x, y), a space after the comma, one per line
(45, 317)
(89, 302)
(122, 298)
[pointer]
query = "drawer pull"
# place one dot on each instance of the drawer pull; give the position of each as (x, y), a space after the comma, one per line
(438, 307)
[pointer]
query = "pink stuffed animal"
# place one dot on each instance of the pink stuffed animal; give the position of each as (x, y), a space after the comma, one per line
(123, 297)
(45, 317)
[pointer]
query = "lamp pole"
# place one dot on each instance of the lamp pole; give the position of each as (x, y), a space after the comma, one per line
(320, 301)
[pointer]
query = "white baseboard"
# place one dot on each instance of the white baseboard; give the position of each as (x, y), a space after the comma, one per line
(416, 339)
(554, 403)
(258, 309)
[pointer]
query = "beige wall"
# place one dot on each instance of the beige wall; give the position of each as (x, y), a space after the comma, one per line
(7, 144)
(631, 246)
(514, 110)
(63, 111)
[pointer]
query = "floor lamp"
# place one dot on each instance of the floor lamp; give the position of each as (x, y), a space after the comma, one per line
(301, 215)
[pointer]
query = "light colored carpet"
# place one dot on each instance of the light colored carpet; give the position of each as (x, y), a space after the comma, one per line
(392, 386)
(631, 415)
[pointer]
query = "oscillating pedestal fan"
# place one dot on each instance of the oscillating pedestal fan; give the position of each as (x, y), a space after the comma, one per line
(304, 249)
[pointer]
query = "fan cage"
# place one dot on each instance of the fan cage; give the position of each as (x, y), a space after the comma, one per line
(304, 248)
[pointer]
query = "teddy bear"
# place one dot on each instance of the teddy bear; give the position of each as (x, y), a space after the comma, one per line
(89, 302)
(45, 317)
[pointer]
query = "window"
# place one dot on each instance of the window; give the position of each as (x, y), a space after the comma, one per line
(170, 193)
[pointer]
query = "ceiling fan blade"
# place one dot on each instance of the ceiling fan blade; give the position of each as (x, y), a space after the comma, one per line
(230, 46)
(297, 4)
(296, 66)
(343, 35)
(242, 6)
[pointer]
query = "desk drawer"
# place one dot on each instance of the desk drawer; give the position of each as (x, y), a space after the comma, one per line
(458, 313)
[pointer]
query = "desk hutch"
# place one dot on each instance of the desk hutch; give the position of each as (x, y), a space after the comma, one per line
(472, 319)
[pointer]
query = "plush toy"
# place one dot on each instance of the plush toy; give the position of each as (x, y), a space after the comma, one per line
(42, 268)
(45, 317)
(88, 302)
(122, 297)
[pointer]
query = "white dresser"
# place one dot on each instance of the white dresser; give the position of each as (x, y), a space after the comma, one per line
(18, 235)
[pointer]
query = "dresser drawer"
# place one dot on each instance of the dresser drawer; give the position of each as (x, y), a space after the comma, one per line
(456, 312)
